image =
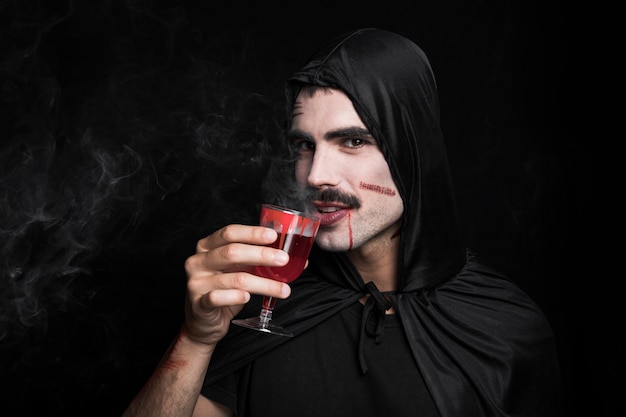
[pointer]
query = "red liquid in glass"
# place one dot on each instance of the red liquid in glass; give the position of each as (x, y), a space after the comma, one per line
(298, 248)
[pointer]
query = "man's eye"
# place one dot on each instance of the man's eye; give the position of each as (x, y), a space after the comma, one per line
(303, 146)
(354, 142)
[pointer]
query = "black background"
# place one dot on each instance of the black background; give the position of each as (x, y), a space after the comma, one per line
(130, 129)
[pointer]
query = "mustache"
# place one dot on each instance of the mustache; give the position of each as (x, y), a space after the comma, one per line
(331, 195)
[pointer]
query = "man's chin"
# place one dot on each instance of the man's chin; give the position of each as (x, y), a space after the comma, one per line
(332, 244)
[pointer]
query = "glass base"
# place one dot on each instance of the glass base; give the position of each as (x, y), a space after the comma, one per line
(266, 326)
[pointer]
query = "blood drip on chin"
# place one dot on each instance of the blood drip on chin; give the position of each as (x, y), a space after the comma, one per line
(350, 230)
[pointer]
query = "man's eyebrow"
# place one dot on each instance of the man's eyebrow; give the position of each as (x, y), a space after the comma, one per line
(295, 134)
(348, 131)
(333, 134)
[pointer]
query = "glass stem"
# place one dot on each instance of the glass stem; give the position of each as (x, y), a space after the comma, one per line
(266, 311)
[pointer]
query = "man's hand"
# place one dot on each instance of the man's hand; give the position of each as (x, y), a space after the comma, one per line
(218, 284)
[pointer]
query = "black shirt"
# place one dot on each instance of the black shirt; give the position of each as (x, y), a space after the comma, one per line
(318, 374)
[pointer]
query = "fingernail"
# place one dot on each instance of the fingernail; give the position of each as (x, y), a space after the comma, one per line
(269, 234)
(286, 291)
(282, 257)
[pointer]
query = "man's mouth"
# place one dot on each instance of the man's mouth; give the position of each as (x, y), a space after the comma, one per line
(328, 209)
(331, 214)
(333, 205)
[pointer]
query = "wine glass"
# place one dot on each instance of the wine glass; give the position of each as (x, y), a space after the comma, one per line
(296, 233)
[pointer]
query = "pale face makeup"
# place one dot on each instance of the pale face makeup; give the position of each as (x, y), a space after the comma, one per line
(359, 202)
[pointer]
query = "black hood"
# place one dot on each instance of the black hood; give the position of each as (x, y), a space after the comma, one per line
(483, 346)
(391, 84)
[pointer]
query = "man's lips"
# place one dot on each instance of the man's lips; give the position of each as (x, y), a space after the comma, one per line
(331, 213)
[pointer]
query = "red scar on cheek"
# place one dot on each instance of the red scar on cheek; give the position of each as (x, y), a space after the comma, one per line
(377, 189)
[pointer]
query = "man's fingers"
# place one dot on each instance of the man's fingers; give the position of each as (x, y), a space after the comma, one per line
(235, 288)
(252, 284)
(236, 256)
(223, 298)
(258, 235)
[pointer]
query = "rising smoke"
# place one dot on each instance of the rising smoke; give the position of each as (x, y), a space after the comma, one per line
(127, 134)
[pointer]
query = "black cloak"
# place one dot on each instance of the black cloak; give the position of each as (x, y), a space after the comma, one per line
(482, 345)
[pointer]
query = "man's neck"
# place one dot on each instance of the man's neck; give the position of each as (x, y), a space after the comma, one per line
(378, 262)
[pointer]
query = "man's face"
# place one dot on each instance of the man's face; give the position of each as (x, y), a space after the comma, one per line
(341, 161)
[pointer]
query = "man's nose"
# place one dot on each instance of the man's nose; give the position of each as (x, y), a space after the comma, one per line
(324, 169)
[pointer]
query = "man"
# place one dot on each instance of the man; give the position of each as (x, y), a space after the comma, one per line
(393, 316)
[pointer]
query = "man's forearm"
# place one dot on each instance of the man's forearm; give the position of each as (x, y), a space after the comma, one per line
(174, 387)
